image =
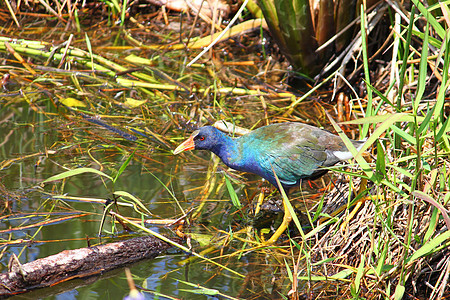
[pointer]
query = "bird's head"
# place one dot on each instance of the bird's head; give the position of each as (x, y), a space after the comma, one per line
(205, 138)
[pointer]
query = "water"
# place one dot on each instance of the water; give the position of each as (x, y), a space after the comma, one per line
(40, 138)
(36, 147)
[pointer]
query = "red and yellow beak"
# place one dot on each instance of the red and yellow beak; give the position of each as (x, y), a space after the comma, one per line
(185, 146)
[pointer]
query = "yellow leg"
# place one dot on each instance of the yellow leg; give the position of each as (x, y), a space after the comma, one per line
(351, 215)
(260, 201)
(287, 218)
(362, 187)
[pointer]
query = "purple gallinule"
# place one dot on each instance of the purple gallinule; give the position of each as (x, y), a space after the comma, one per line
(294, 151)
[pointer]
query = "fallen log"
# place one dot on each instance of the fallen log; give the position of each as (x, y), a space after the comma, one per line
(78, 263)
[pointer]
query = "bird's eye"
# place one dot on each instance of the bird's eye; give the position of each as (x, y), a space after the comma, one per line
(202, 138)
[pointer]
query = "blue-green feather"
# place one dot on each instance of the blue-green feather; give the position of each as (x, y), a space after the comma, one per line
(294, 151)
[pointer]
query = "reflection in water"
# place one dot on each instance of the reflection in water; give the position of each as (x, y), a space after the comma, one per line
(36, 135)
(187, 180)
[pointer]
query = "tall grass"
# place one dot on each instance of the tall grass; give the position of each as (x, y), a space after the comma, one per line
(398, 243)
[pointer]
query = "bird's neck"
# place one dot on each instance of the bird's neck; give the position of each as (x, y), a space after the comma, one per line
(228, 150)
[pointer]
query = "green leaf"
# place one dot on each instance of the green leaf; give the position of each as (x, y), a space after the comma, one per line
(439, 111)
(179, 246)
(89, 46)
(319, 208)
(320, 227)
(232, 192)
(422, 79)
(379, 94)
(382, 258)
(76, 172)
(88, 43)
(404, 135)
(432, 20)
(288, 269)
(399, 292)
(421, 195)
(200, 289)
(72, 102)
(135, 201)
(104, 215)
(364, 46)
(444, 129)
(429, 246)
(133, 103)
(324, 261)
(401, 117)
(168, 190)
(139, 60)
(338, 276)
(359, 274)
(123, 13)
(426, 122)
(123, 166)
(373, 137)
(381, 161)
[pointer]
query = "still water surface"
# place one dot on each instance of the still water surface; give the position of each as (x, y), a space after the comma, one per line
(25, 132)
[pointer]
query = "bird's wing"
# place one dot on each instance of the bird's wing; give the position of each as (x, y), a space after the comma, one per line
(292, 162)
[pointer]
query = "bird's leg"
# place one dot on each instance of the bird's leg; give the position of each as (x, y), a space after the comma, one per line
(361, 189)
(287, 218)
(260, 201)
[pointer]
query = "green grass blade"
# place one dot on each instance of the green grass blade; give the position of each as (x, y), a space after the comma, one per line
(382, 258)
(426, 122)
(168, 190)
(104, 214)
(399, 292)
(359, 159)
(89, 46)
(427, 198)
(76, 172)
(123, 12)
(429, 247)
(135, 201)
(422, 80)
(232, 192)
(404, 135)
(288, 269)
(358, 277)
(432, 225)
(445, 84)
(367, 169)
(175, 244)
(289, 206)
(199, 289)
(364, 46)
(123, 166)
(444, 129)
(380, 165)
(321, 227)
(379, 94)
(342, 275)
(432, 20)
